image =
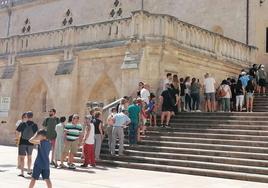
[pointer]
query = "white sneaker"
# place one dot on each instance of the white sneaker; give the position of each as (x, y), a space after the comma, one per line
(198, 111)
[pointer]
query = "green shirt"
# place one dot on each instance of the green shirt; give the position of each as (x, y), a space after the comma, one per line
(50, 125)
(134, 111)
(73, 131)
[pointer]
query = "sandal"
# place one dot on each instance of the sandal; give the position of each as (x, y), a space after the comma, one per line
(30, 173)
(21, 175)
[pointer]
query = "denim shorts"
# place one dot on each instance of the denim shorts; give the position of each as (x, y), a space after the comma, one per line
(210, 96)
(250, 96)
(37, 171)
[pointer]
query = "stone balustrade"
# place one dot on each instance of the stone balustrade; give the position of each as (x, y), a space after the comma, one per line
(142, 26)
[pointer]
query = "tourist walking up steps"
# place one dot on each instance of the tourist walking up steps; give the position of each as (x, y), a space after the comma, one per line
(145, 93)
(175, 90)
(59, 146)
(240, 93)
(88, 143)
(188, 99)
(110, 124)
(50, 124)
(152, 110)
(121, 120)
(225, 95)
(99, 133)
(167, 102)
(134, 115)
(209, 89)
(195, 94)
(250, 95)
(73, 137)
(167, 80)
(262, 76)
(182, 95)
(26, 130)
(41, 164)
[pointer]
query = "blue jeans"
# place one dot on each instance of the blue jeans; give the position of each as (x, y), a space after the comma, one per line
(133, 129)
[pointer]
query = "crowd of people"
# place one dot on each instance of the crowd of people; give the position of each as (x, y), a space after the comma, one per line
(178, 95)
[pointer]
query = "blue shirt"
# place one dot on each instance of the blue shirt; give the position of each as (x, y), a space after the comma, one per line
(244, 79)
(42, 159)
(120, 119)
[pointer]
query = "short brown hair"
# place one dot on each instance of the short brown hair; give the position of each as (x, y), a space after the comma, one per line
(97, 114)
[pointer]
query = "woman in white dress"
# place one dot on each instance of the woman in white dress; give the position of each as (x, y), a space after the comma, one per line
(59, 140)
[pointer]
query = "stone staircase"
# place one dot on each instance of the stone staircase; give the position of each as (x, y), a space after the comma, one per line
(225, 145)
(260, 103)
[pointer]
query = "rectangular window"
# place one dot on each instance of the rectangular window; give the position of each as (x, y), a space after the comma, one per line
(267, 40)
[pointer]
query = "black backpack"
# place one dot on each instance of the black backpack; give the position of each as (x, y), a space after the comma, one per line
(27, 132)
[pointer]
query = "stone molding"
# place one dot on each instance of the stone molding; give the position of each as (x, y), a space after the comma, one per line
(140, 26)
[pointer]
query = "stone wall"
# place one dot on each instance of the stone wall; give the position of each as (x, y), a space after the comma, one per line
(44, 15)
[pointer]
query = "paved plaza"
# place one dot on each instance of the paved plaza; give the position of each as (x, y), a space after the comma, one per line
(107, 177)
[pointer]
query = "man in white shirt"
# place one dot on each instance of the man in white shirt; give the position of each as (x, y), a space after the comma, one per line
(145, 93)
(121, 120)
(209, 88)
(167, 80)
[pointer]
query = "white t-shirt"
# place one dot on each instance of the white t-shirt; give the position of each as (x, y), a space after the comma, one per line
(90, 139)
(227, 90)
(166, 81)
(209, 85)
(18, 122)
(145, 94)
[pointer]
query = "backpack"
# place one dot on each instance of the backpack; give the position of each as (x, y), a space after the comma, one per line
(27, 132)
(221, 92)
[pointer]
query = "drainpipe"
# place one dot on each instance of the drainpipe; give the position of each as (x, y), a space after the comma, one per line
(142, 4)
(247, 24)
(9, 17)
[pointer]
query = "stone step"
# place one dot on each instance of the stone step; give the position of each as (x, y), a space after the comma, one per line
(216, 121)
(196, 151)
(188, 170)
(207, 141)
(210, 136)
(246, 116)
(205, 146)
(188, 163)
(201, 158)
(212, 126)
(214, 131)
(227, 114)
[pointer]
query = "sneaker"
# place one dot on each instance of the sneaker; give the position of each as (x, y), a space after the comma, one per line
(198, 110)
(62, 166)
(21, 175)
(167, 126)
(72, 166)
(93, 165)
(83, 166)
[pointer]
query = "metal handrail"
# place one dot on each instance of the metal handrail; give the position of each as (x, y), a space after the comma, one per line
(107, 107)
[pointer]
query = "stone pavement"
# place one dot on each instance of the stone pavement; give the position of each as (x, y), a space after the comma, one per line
(107, 177)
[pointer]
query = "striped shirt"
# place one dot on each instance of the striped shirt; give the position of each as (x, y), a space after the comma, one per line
(73, 131)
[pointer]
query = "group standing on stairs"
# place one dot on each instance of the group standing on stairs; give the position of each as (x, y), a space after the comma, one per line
(133, 116)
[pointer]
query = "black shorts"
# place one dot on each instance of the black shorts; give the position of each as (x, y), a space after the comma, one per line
(167, 108)
(25, 150)
(262, 82)
(45, 173)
